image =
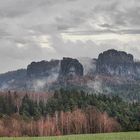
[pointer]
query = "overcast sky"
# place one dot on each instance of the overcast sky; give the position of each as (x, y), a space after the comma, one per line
(32, 30)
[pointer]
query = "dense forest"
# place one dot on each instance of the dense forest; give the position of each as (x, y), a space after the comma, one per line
(66, 112)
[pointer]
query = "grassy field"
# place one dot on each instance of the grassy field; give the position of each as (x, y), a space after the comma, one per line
(111, 136)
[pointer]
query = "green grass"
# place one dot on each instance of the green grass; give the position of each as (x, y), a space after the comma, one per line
(107, 136)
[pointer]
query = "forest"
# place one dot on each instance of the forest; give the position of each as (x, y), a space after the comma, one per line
(65, 112)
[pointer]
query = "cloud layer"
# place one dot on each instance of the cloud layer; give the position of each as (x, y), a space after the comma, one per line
(32, 30)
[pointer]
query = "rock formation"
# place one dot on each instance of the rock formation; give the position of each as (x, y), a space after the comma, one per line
(112, 67)
(71, 68)
(42, 69)
(113, 62)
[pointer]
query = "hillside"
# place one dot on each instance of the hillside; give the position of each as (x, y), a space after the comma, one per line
(110, 71)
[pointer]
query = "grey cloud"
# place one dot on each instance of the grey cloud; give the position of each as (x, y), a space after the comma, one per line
(23, 22)
(91, 48)
(16, 8)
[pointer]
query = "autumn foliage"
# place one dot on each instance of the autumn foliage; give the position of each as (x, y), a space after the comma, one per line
(64, 113)
(62, 123)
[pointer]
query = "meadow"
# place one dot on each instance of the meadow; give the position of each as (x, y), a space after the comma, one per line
(106, 136)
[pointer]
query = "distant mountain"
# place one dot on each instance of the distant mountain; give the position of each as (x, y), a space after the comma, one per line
(112, 71)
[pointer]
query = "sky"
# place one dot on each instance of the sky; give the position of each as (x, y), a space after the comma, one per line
(34, 30)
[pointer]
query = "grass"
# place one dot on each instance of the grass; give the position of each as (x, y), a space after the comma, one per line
(107, 136)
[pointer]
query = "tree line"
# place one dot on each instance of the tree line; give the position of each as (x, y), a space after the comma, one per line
(66, 112)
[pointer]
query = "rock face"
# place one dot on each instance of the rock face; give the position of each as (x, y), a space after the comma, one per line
(43, 68)
(71, 68)
(137, 70)
(66, 67)
(48, 75)
(113, 62)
